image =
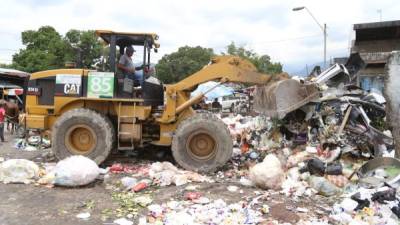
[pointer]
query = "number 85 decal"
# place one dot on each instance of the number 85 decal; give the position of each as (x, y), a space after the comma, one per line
(101, 84)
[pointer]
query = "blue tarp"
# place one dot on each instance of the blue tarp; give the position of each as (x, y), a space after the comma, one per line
(217, 92)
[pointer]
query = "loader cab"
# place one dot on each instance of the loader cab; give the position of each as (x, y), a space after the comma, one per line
(152, 90)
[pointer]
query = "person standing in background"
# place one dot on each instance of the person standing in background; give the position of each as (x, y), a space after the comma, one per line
(2, 117)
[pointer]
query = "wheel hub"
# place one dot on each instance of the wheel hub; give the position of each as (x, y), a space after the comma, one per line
(80, 139)
(201, 145)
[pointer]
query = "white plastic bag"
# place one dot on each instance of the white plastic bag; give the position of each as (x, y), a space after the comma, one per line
(268, 174)
(76, 170)
(18, 171)
(129, 182)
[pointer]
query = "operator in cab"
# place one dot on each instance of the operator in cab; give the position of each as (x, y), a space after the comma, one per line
(127, 67)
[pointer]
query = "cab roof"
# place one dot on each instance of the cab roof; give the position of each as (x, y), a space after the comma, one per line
(126, 38)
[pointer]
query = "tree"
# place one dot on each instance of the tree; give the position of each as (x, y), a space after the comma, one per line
(44, 50)
(47, 49)
(178, 65)
(5, 65)
(262, 63)
(83, 48)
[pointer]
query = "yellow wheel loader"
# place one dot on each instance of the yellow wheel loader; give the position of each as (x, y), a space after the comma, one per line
(89, 113)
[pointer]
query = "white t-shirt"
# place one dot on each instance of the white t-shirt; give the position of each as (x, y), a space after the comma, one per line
(126, 61)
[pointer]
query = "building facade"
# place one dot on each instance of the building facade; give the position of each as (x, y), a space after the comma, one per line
(373, 43)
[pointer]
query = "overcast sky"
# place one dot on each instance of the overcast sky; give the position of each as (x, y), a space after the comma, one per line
(267, 27)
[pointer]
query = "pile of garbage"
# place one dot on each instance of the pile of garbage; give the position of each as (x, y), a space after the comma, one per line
(323, 148)
(364, 195)
(33, 143)
(341, 114)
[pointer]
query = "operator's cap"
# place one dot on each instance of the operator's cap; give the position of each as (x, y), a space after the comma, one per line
(130, 49)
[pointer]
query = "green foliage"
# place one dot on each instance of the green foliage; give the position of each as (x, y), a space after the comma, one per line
(33, 60)
(262, 63)
(178, 65)
(44, 50)
(47, 49)
(4, 65)
(83, 48)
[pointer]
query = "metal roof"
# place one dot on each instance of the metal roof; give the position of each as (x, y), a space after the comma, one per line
(129, 38)
(392, 23)
(13, 73)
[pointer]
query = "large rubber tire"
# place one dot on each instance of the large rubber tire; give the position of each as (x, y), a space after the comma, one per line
(202, 125)
(102, 128)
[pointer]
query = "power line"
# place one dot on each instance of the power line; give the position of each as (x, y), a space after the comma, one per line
(275, 41)
(9, 33)
(289, 39)
(8, 50)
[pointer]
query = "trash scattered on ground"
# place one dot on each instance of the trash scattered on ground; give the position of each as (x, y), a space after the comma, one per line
(128, 182)
(302, 210)
(245, 182)
(214, 212)
(33, 143)
(165, 173)
(143, 200)
(34, 140)
(140, 186)
(75, 171)
(192, 195)
(233, 188)
(18, 171)
(323, 186)
(123, 221)
(132, 169)
(84, 216)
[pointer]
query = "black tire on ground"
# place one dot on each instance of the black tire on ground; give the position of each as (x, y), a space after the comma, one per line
(100, 126)
(197, 132)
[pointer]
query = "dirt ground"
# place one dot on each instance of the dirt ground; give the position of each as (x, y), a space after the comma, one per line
(34, 204)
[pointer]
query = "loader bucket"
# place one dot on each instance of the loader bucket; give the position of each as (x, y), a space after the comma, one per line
(282, 97)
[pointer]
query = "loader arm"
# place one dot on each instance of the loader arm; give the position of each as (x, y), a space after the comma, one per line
(222, 69)
(225, 69)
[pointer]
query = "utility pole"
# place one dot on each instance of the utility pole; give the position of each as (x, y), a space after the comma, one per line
(323, 28)
(324, 45)
(307, 70)
(380, 14)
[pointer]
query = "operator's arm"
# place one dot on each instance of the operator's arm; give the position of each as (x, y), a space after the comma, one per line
(123, 68)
